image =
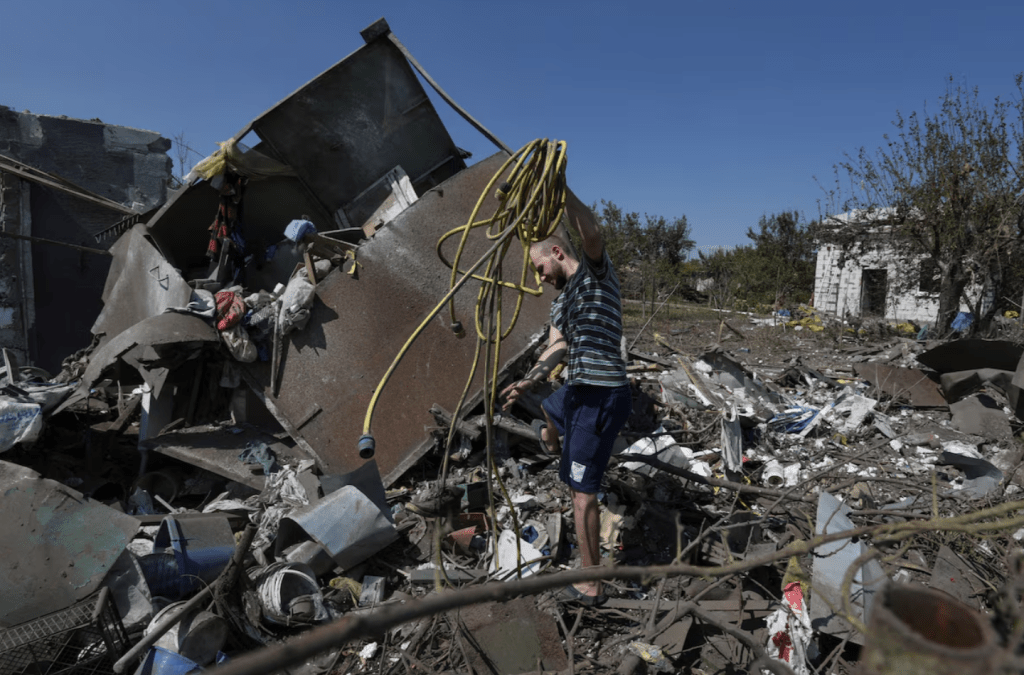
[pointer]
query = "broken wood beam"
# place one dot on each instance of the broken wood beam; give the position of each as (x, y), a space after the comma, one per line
(444, 418)
(509, 424)
(651, 358)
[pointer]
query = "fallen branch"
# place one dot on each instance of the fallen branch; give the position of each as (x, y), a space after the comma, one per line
(348, 628)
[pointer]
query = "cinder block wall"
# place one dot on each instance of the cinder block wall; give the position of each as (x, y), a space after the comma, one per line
(49, 296)
(838, 289)
(12, 311)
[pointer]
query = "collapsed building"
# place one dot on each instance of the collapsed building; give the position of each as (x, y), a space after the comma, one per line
(194, 489)
(360, 163)
(66, 180)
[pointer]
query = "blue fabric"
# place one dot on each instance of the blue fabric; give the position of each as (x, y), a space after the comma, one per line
(589, 417)
(297, 229)
(962, 321)
(794, 420)
(257, 452)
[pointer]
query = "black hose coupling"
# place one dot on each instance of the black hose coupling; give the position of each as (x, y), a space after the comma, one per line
(457, 328)
(503, 191)
(366, 446)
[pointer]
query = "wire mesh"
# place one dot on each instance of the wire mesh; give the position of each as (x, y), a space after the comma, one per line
(84, 639)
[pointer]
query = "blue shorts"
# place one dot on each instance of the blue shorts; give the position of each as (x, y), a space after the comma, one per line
(589, 418)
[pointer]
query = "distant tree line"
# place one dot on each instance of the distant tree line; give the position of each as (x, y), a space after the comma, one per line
(774, 271)
(654, 261)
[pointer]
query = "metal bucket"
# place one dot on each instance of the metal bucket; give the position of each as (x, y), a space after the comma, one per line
(198, 635)
(915, 630)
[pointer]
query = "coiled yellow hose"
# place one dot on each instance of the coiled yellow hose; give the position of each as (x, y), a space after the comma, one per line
(530, 205)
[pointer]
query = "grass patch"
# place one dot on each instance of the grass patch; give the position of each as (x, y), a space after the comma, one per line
(634, 315)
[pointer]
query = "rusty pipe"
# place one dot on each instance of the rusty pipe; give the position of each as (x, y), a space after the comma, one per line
(914, 630)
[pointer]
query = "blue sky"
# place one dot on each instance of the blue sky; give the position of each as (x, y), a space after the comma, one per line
(719, 111)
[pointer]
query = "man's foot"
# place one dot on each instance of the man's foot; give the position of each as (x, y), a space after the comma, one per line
(572, 594)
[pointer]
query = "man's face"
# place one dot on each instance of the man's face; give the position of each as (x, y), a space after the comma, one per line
(550, 269)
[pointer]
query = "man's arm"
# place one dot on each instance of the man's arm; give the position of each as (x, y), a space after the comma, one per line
(583, 219)
(549, 358)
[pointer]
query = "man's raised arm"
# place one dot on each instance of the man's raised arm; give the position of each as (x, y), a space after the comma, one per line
(585, 223)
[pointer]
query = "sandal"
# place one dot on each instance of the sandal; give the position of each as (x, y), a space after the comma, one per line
(538, 427)
(572, 594)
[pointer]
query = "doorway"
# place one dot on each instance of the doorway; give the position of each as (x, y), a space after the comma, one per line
(873, 287)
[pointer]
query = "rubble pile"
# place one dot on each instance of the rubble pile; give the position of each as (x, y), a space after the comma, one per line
(730, 458)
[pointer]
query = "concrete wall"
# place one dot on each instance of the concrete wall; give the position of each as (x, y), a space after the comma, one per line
(49, 295)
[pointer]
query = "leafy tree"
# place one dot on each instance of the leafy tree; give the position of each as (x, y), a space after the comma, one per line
(664, 245)
(944, 190)
(776, 268)
(784, 258)
(647, 254)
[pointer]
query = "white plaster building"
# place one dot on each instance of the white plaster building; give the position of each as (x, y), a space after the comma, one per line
(872, 279)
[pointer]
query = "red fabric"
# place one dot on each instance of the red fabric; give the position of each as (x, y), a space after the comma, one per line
(230, 309)
(794, 595)
(784, 644)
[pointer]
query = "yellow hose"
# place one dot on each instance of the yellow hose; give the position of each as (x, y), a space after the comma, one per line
(530, 205)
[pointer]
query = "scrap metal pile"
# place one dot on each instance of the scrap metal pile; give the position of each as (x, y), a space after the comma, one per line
(193, 490)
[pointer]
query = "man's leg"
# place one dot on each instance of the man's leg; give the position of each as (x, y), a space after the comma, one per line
(588, 536)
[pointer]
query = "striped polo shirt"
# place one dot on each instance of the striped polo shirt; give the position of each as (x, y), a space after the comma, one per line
(588, 312)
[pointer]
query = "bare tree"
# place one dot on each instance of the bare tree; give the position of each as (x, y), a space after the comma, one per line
(945, 191)
(185, 157)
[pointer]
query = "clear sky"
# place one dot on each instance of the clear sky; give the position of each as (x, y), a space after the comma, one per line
(719, 111)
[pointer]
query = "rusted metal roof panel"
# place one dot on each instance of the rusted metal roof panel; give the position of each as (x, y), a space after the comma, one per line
(972, 354)
(358, 325)
(355, 122)
(216, 449)
(141, 283)
(921, 388)
(268, 205)
(55, 545)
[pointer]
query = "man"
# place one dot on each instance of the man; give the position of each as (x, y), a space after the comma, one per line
(589, 411)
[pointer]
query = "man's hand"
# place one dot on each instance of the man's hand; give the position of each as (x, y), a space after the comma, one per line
(515, 390)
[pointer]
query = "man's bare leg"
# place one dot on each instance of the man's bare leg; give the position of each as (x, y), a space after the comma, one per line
(585, 514)
(588, 536)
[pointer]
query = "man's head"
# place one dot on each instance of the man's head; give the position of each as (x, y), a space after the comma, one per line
(553, 260)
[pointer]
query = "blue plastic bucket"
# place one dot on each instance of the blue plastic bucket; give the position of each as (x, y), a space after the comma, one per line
(159, 661)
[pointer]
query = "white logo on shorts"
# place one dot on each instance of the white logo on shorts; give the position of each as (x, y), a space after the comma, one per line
(577, 471)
